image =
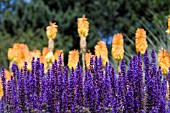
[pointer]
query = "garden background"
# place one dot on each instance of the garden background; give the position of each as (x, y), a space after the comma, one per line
(25, 21)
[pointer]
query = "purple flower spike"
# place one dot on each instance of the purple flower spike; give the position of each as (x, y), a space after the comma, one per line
(146, 67)
(169, 88)
(79, 89)
(129, 100)
(154, 110)
(9, 105)
(163, 96)
(65, 101)
(71, 91)
(153, 55)
(22, 94)
(88, 88)
(2, 106)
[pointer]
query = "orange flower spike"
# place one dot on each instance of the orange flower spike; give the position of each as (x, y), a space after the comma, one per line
(101, 50)
(1, 90)
(117, 47)
(52, 30)
(73, 59)
(83, 26)
(168, 30)
(163, 61)
(88, 55)
(141, 43)
(57, 54)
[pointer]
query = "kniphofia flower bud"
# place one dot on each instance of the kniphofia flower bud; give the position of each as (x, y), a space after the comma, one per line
(101, 50)
(163, 61)
(73, 58)
(117, 47)
(51, 30)
(83, 26)
(141, 43)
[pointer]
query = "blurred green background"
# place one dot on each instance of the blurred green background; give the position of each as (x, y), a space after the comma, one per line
(25, 21)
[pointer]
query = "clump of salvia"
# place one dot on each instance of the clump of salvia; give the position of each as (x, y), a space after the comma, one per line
(138, 88)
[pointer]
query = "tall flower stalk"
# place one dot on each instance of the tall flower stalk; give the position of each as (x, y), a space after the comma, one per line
(83, 29)
(51, 32)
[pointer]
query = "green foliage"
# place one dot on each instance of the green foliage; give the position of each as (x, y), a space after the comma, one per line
(26, 23)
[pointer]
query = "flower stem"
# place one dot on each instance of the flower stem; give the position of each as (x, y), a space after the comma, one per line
(83, 50)
(50, 45)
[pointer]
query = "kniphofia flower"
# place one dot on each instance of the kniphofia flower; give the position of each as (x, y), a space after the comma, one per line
(51, 30)
(18, 54)
(168, 30)
(19, 51)
(73, 58)
(141, 43)
(117, 47)
(83, 26)
(163, 61)
(23, 49)
(88, 55)
(101, 50)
